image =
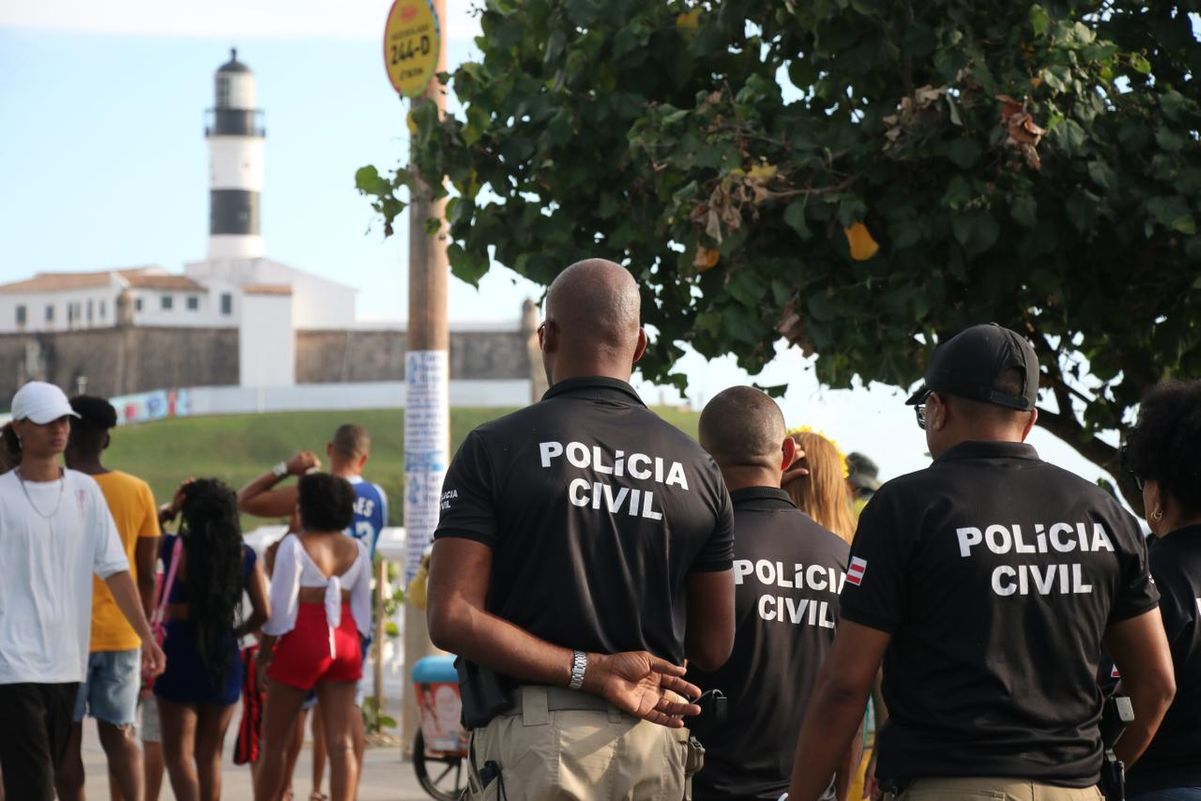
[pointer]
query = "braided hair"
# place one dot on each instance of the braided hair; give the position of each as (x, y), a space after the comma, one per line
(212, 538)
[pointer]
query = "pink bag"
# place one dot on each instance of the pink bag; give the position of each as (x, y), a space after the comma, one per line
(158, 622)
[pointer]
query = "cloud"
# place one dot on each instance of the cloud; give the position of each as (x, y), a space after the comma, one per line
(260, 19)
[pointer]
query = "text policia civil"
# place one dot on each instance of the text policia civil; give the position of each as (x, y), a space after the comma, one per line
(612, 497)
(781, 608)
(1059, 578)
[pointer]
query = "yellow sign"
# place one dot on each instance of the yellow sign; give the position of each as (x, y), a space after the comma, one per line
(411, 41)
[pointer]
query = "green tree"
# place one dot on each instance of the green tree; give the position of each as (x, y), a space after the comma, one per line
(861, 177)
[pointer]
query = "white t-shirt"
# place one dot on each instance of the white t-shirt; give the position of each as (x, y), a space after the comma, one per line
(46, 568)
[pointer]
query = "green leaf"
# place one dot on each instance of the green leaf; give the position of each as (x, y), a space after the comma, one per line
(1101, 174)
(976, 230)
(1040, 20)
(1172, 212)
(794, 218)
(964, 152)
(1024, 210)
(1070, 136)
(1140, 64)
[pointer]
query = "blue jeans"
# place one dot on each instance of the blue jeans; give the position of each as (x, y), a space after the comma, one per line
(110, 687)
(1168, 794)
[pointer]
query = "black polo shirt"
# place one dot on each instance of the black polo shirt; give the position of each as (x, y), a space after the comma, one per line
(788, 571)
(996, 575)
(596, 511)
(1173, 759)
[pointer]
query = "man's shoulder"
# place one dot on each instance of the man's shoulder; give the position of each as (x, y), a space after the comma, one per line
(788, 532)
(122, 480)
(77, 480)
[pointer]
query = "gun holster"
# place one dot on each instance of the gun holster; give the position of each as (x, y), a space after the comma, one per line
(483, 693)
(1116, 715)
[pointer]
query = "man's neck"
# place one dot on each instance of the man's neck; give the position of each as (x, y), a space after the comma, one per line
(738, 478)
(342, 469)
(591, 369)
(88, 465)
(40, 469)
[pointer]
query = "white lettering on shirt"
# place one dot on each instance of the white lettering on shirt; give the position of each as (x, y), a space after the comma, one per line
(613, 498)
(1036, 579)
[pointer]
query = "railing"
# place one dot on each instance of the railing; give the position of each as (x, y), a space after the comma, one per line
(234, 122)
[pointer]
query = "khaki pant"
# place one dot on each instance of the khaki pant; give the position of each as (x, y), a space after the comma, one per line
(994, 789)
(547, 752)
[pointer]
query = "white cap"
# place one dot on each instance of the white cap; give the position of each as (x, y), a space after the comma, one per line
(41, 402)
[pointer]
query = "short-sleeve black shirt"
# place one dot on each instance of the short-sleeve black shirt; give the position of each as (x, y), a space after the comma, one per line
(996, 575)
(596, 511)
(788, 571)
(1173, 759)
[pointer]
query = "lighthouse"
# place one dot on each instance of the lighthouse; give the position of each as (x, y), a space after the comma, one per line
(235, 133)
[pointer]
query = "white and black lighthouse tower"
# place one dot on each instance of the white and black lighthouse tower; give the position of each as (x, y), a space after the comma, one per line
(235, 133)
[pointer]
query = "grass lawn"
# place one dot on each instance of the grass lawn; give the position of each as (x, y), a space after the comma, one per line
(236, 448)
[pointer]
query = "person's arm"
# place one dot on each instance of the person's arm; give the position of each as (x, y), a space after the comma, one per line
(836, 706)
(871, 788)
(259, 498)
(1140, 650)
(844, 774)
(124, 592)
(260, 607)
(709, 638)
(634, 681)
(145, 556)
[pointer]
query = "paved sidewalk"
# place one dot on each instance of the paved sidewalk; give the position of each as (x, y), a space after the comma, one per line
(385, 776)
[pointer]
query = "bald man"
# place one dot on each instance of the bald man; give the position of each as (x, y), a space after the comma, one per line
(583, 553)
(788, 571)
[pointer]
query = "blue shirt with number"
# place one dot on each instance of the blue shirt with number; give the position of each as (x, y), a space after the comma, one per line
(370, 513)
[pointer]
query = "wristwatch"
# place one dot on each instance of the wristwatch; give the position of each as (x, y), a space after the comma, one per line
(579, 665)
(280, 470)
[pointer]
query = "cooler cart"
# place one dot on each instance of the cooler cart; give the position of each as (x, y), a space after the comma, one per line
(440, 748)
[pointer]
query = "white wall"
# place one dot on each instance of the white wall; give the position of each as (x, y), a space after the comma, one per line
(35, 304)
(318, 303)
(507, 393)
(236, 162)
(266, 342)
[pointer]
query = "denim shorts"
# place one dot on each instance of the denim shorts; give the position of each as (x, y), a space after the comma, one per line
(109, 691)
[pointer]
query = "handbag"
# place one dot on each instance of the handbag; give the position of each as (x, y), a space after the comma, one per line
(158, 622)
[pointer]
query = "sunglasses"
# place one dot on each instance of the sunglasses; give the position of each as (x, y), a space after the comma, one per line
(919, 410)
(1124, 458)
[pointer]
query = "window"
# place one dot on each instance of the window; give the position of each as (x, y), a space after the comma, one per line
(90, 310)
(70, 313)
(166, 302)
(137, 304)
(49, 312)
(193, 302)
(21, 316)
(222, 91)
(227, 304)
(103, 309)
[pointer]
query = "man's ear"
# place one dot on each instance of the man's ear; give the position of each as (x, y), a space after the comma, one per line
(108, 439)
(548, 336)
(1026, 429)
(788, 453)
(941, 413)
(640, 348)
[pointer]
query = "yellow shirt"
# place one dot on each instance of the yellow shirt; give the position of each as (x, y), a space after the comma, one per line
(132, 505)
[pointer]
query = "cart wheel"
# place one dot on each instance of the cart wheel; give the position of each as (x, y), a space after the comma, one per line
(440, 776)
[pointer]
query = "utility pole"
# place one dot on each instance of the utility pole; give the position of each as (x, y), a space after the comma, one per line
(427, 379)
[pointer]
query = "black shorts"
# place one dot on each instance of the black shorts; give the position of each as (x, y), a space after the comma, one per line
(33, 738)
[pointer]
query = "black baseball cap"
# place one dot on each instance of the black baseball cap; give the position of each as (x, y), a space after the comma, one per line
(968, 365)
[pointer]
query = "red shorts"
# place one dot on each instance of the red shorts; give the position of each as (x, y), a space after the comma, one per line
(302, 656)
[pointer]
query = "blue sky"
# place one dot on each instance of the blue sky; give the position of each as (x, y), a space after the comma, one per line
(103, 163)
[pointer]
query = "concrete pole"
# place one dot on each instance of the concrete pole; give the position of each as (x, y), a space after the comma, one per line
(427, 378)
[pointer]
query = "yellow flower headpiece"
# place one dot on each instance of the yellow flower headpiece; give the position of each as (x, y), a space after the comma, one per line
(846, 468)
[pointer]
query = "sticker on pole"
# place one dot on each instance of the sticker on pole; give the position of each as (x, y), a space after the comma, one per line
(411, 41)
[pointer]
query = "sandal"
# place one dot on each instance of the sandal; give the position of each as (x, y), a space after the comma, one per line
(318, 796)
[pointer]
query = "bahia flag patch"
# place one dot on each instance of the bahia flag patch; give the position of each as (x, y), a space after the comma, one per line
(856, 570)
